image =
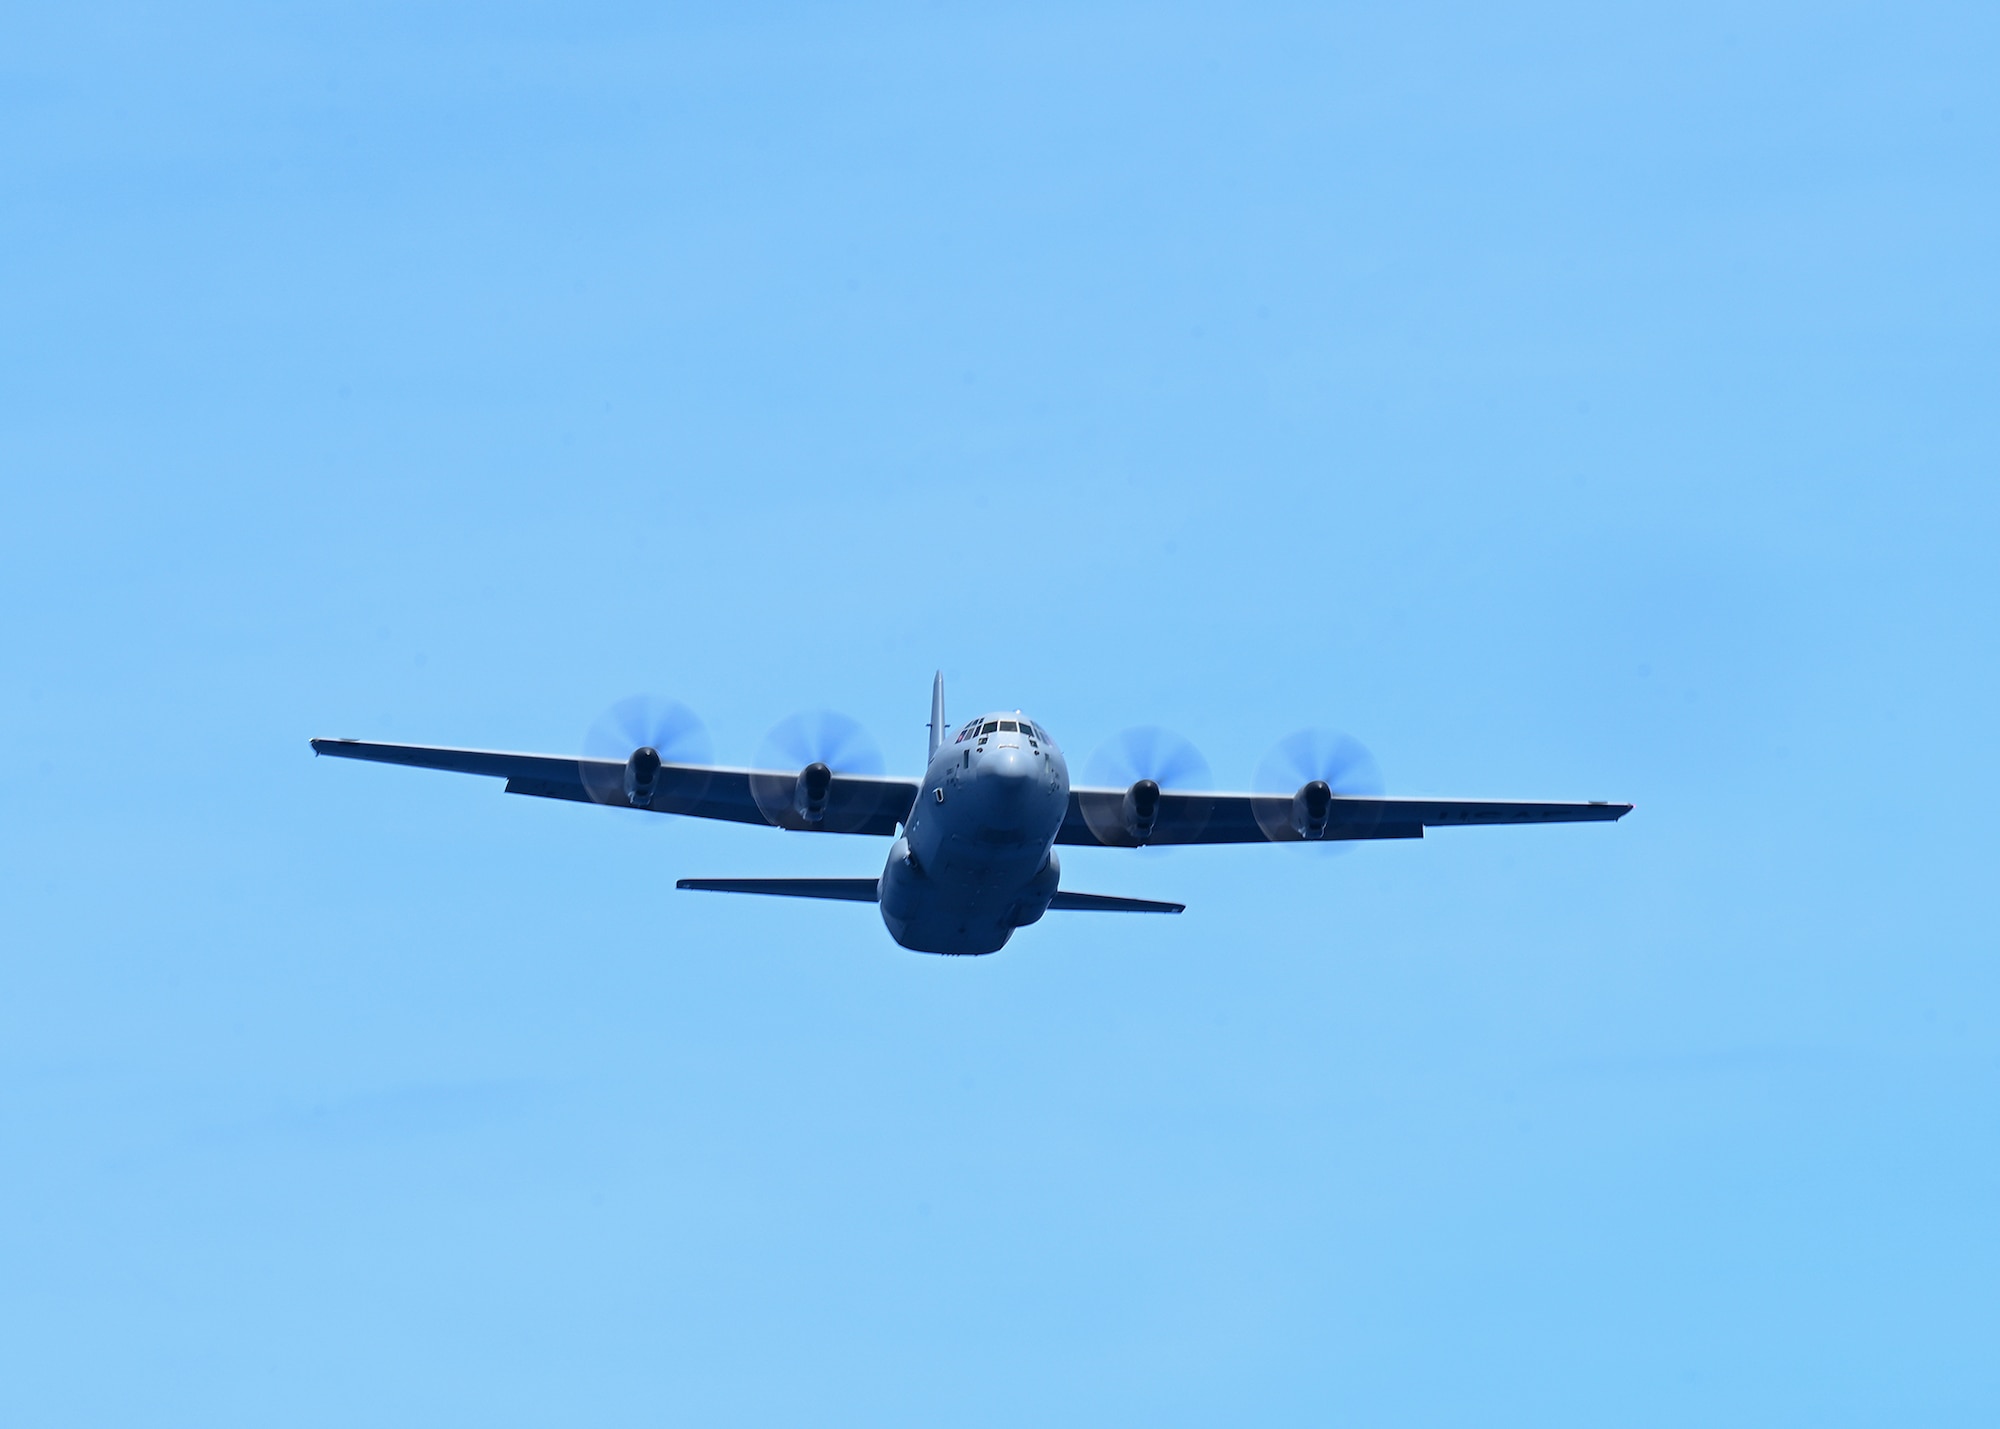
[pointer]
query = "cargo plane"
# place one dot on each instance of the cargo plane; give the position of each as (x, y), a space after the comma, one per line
(974, 845)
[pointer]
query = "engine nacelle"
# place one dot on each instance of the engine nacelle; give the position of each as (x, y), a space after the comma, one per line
(809, 795)
(642, 776)
(1311, 807)
(1142, 809)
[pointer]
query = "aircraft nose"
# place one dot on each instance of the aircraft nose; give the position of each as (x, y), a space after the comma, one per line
(1007, 763)
(1008, 776)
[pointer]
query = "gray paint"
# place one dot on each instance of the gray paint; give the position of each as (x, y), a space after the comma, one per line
(974, 854)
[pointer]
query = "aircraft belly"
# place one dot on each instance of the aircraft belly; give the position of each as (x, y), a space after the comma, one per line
(971, 870)
(933, 917)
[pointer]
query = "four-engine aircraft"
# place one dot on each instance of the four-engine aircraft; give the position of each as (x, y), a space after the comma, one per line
(974, 853)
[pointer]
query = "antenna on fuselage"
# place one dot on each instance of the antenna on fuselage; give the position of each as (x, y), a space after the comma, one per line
(937, 712)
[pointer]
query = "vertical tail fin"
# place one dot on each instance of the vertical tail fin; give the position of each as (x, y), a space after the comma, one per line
(937, 712)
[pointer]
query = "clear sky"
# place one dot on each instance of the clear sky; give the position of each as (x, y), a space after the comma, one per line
(1571, 401)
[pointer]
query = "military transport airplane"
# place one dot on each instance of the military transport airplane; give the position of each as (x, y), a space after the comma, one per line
(974, 853)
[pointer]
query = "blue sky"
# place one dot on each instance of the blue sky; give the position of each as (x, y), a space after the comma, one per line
(1570, 401)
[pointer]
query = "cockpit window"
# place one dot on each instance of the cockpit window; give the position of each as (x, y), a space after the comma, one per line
(989, 726)
(1007, 724)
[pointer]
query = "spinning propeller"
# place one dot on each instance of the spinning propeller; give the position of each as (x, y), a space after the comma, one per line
(1314, 765)
(640, 733)
(797, 761)
(1142, 761)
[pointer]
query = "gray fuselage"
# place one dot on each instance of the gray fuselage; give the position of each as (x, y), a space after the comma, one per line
(976, 859)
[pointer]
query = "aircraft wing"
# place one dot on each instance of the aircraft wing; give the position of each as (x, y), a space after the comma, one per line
(1097, 817)
(856, 803)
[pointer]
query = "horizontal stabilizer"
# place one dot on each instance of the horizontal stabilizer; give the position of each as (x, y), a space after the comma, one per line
(847, 890)
(1099, 903)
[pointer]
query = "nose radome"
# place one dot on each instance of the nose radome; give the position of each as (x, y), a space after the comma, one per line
(1008, 765)
(1010, 777)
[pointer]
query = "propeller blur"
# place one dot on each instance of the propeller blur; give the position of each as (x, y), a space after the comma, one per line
(972, 853)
